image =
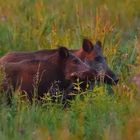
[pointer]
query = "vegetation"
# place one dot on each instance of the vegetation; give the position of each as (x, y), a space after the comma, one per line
(106, 112)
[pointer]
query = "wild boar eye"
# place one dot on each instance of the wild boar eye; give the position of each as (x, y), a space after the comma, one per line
(98, 58)
(75, 61)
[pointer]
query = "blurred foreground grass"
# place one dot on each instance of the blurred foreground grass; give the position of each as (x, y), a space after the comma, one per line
(39, 24)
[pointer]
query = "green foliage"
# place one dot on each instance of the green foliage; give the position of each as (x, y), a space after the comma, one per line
(104, 113)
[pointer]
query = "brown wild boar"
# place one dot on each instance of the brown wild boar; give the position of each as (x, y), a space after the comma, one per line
(90, 53)
(62, 67)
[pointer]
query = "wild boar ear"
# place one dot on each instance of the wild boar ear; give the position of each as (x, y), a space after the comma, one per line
(99, 43)
(87, 45)
(63, 52)
(98, 46)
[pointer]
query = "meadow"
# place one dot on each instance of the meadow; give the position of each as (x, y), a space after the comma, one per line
(107, 112)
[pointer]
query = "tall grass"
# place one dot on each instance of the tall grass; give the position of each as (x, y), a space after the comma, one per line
(105, 113)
